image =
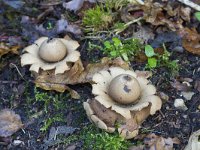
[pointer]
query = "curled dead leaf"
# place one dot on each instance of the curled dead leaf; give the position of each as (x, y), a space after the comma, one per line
(153, 141)
(4, 49)
(180, 86)
(157, 13)
(9, 122)
(191, 40)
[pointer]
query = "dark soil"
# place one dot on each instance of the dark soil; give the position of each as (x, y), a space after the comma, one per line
(17, 90)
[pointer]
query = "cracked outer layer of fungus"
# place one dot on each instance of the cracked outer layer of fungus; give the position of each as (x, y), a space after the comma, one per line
(123, 99)
(51, 53)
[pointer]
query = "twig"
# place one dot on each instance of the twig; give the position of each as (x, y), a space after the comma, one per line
(117, 31)
(18, 71)
(191, 4)
(7, 82)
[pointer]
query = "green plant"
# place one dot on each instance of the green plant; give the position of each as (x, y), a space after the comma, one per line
(126, 49)
(161, 60)
(52, 103)
(97, 18)
(49, 121)
(43, 97)
(95, 139)
(116, 4)
(197, 15)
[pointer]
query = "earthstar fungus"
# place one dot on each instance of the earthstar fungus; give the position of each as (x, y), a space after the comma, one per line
(122, 97)
(51, 53)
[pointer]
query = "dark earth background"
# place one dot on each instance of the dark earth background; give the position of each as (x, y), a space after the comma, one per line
(18, 93)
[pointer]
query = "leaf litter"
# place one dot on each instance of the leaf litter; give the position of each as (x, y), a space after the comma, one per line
(160, 17)
(9, 123)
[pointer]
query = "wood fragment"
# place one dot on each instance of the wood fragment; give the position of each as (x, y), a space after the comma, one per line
(190, 4)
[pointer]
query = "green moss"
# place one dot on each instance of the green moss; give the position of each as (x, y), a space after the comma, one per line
(49, 121)
(53, 104)
(95, 139)
(97, 18)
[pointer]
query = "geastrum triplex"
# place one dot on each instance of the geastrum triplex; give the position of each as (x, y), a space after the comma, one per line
(123, 100)
(51, 53)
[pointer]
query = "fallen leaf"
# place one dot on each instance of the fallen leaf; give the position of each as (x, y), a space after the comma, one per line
(165, 14)
(53, 138)
(154, 142)
(77, 74)
(197, 85)
(140, 147)
(193, 143)
(9, 122)
(16, 4)
(71, 147)
(144, 33)
(191, 40)
(180, 86)
(4, 49)
(145, 74)
(73, 5)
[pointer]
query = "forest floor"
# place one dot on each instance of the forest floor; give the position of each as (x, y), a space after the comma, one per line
(46, 113)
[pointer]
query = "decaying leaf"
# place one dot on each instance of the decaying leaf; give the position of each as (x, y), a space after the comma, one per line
(4, 49)
(9, 122)
(75, 5)
(158, 13)
(197, 85)
(77, 74)
(145, 74)
(193, 143)
(191, 40)
(180, 86)
(154, 142)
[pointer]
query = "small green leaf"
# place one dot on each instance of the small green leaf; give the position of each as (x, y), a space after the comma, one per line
(149, 51)
(125, 57)
(197, 15)
(152, 62)
(116, 41)
(107, 44)
(113, 53)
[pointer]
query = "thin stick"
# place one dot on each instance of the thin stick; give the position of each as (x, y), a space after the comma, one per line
(18, 71)
(191, 4)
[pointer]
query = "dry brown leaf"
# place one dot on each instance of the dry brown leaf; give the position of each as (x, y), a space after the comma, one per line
(108, 116)
(9, 122)
(77, 74)
(140, 147)
(197, 85)
(180, 86)
(4, 49)
(157, 13)
(145, 74)
(191, 40)
(153, 142)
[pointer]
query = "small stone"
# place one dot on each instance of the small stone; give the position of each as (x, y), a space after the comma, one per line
(187, 95)
(17, 142)
(185, 116)
(180, 104)
(199, 107)
(164, 96)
